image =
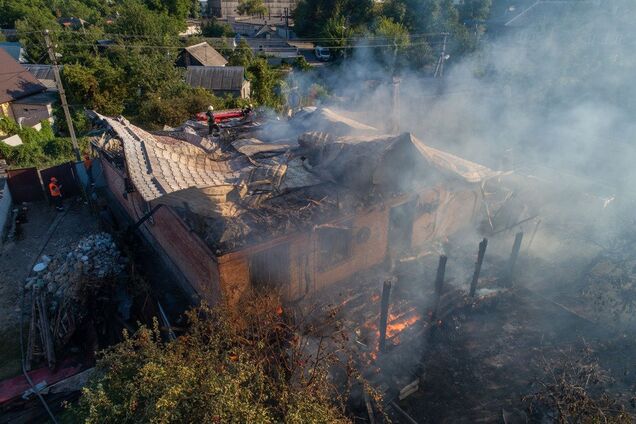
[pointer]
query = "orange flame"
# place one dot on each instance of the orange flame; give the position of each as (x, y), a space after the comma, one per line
(395, 328)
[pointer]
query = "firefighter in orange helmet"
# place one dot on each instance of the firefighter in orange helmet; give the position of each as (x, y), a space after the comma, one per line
(55, 190)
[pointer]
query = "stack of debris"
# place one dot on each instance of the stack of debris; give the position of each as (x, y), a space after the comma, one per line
(61, 287)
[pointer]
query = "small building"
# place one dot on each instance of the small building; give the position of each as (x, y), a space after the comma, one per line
(44, 74)
(220, 80)
(285, 210)
(32, 110)
(14, 49)
(227, 8)
(22, 96)
(272, 47)
(201, 54)
(72, 22)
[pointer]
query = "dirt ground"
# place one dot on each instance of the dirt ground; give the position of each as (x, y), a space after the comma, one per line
(17, 258)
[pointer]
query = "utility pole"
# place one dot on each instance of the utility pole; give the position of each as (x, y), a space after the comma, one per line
(439, 69)
(286, 23)
(60, 89)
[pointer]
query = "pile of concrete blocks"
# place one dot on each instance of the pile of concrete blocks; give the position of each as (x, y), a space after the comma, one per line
(95, 257)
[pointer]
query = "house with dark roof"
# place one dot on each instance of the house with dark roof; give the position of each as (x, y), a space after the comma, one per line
(220, 80)
(22, 97)
(201, 54)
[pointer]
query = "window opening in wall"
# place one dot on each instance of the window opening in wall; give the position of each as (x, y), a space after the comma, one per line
(334, 246)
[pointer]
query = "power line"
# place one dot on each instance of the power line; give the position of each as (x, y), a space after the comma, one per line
(171, 36)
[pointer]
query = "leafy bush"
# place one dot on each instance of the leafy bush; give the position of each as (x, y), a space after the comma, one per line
(39, 148)
(301, 64)
(214, 28)
(225, 368)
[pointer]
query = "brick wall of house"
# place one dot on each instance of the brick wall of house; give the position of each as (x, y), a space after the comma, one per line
(305, 276)
(184, 248)
(437, 213)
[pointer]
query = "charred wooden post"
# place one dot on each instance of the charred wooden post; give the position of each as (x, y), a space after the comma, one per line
(480, 261)
(439, 284)
(513, 259)
(384, 313)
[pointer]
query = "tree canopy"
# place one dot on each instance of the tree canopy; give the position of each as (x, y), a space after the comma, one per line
(251, 7)
(335, 22)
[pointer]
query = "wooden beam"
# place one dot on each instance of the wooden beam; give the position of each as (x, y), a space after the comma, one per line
(384, 313)
(480, 261)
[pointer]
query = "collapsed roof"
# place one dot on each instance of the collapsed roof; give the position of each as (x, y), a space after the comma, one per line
(276, 172)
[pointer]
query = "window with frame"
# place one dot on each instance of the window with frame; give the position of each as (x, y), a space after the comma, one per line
(334, 246)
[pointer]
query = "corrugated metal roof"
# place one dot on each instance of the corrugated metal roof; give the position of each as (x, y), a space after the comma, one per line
(14, 49)
(206, 54)
(216, 78)
(44, 73)
(16, 82)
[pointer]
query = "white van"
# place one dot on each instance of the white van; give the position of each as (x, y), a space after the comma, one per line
(322, 54)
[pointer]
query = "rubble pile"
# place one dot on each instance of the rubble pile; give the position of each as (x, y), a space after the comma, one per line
(95, 257)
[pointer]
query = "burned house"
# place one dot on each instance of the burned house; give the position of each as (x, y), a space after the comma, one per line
(268, 204)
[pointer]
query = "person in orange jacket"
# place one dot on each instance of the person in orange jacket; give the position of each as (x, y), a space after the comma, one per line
(55, 190)
(88, 166)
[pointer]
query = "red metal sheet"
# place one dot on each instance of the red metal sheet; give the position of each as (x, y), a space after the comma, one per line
(13, 388)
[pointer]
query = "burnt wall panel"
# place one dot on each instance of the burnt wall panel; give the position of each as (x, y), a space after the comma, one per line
(369, 247)
(234, 275)
(184, 248)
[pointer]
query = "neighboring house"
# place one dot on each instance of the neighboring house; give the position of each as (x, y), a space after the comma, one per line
(293, 214)
(32, 110)
(220, 80)
(44, 74)
(269, 27)
(72, 22)
(201, 54)
(273, 47)
(227, 8)
(14, 49)
(22, 96)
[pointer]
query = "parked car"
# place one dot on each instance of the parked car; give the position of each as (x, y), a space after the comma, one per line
(322, 53)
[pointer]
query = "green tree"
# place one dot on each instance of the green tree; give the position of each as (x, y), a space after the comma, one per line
(12, 11)
(135, 19)
(251, 7)
(474, 10)
(337, 35)
(177, 107)
(395, 39)
(214, 28)
(28, 30)
(38, 148)
(97, 86)
(242, 55)
(264, 83)
(311, 16)
(225, 368)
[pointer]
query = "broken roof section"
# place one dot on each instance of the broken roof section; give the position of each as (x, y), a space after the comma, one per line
(239, 178)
